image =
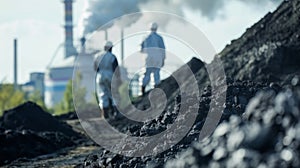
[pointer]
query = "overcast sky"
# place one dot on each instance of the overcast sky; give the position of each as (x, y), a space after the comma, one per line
(38, 26)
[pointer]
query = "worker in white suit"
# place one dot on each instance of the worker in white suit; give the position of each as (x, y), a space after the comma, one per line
(106, 64)
(154, 47)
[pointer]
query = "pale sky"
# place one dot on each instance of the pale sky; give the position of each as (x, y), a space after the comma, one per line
(38, 26)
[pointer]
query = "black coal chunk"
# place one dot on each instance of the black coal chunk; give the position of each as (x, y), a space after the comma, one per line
(268, 135)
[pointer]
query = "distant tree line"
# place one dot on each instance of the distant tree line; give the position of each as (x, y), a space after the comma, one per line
(67, 103)
(10, 98)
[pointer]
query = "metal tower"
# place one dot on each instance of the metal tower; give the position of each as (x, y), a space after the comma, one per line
(69, 47)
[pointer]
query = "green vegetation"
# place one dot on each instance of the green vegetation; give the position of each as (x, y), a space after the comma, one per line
(9, 98)
(38, 99)
(67, 104)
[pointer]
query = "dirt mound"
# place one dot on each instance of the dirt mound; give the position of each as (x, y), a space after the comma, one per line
(29, 131)
(30, 116)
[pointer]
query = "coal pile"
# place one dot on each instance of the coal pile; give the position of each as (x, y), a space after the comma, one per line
(269, 50)
(267, 136)
(67, 116)
(239, 93)
(29, 116)
(263, 64)
(17, 144)
(28, 131)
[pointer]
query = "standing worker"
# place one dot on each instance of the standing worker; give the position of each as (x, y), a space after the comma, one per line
(154, 47)
(105, 65)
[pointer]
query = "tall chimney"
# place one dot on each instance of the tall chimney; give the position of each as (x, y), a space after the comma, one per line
(15, 65)
(69, 47)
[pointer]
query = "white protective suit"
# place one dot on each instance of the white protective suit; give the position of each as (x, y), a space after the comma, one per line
(154, 46)
(106, 65)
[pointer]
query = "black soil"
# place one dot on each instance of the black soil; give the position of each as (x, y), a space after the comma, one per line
(67, 116)
(262, 66)
(269, 50)
(266, 136)
(28, 131)
(29, 116)
(259, 126)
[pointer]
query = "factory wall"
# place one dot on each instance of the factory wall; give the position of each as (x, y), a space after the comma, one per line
(36, 83)
(56, 80)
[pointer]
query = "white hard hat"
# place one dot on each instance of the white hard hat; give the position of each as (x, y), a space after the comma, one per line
(108, 44)
(154, 25)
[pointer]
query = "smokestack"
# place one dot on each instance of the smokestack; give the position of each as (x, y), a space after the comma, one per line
(69, 47)
(15, 65)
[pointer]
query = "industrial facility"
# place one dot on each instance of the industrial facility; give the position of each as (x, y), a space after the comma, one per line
(52, 84)
(35, 85)
(57, 76)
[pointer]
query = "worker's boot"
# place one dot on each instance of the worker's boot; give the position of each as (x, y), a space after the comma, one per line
(143, 90)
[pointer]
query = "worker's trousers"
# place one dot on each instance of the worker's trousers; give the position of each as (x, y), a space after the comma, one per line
(105, 96)
(148, 72)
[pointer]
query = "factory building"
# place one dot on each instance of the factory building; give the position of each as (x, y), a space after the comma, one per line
(57, 77)
(35, 84)
(59, 74)
(56, 80)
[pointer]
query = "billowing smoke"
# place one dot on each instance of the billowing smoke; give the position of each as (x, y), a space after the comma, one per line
(208, 8)
(211, 8)
(100, 12)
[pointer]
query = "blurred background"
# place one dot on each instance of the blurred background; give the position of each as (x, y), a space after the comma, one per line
(40, 40)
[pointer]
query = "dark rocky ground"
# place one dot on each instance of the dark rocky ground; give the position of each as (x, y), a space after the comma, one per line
(259, 126)
(266, 136)
(264, 66)
(239, 94)
(29, 131)
(269, 50)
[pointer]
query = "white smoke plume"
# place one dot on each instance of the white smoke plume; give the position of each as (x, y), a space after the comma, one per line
(100, 12)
